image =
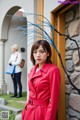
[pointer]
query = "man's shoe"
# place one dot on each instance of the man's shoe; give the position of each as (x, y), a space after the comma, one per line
(18, 96)
(13, 96)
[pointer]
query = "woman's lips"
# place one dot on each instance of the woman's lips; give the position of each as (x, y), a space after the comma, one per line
(38, 59)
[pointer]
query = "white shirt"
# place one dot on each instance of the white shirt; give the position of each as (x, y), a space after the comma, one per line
(37, 69)
(15, 59)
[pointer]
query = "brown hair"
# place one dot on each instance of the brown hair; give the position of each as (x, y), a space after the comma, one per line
(45, 46)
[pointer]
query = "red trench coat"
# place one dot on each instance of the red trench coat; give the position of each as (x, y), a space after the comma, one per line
(44, 92)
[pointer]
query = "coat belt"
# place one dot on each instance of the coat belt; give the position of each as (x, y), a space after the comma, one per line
(38, 102)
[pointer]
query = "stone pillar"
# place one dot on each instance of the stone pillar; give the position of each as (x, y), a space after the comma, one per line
(3, 85)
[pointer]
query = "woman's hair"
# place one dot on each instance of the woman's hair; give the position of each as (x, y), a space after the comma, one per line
(45, 46)
(15, 46)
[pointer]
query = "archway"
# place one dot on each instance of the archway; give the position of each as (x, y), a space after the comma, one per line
(10, 35)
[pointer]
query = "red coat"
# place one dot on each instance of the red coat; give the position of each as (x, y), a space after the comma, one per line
(44, 92)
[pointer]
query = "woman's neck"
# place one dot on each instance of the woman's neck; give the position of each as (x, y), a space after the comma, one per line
(40, 65)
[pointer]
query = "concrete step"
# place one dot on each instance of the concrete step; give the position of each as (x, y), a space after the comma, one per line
(7, 108)
(18, 116)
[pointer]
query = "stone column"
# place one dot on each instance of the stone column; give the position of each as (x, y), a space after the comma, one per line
(3, 85)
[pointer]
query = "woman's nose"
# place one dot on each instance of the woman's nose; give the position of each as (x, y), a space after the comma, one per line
(38, 54)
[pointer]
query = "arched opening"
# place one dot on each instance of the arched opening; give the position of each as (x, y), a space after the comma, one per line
(11, 34)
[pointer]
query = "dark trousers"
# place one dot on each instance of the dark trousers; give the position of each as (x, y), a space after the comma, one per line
(17, 81)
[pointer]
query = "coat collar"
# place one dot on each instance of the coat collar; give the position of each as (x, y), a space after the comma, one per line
(45, 67)
(33, 74)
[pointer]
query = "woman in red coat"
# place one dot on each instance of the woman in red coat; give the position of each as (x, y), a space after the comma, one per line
(44, 85)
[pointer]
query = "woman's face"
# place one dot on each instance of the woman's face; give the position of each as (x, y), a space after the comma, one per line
(13, 50)
(40, 55)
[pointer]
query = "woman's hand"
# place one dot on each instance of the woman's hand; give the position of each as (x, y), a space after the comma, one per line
(10, 64)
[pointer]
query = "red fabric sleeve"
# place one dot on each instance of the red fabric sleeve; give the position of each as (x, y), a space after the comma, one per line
(54, 94)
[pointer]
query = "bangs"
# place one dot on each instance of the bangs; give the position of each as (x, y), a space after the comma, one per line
(37, 44)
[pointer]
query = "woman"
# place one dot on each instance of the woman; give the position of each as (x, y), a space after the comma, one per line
(44, 85)
(15, 59)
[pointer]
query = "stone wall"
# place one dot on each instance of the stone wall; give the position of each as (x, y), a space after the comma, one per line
(72, 63)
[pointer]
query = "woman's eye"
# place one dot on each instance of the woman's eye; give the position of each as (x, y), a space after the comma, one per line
(34, 52)
(42, 51)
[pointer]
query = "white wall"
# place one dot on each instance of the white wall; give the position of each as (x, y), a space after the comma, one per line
(49, 5)
(16, 36)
